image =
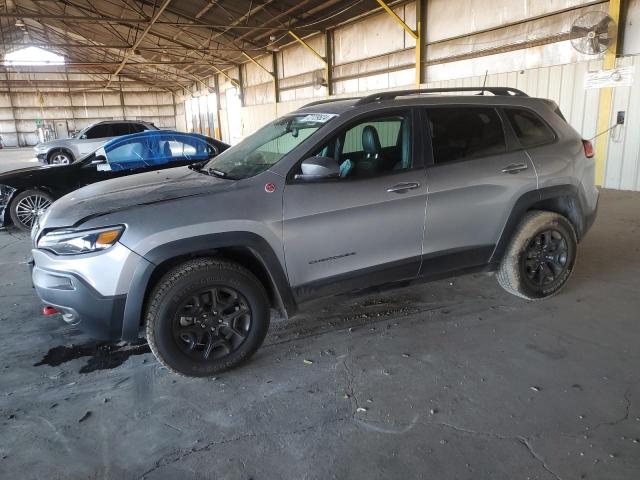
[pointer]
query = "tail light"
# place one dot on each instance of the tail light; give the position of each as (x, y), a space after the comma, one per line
(588, 148)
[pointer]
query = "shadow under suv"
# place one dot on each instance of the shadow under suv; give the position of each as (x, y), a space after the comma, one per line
(335, 197)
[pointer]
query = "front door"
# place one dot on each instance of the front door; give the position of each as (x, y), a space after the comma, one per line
(476, 176)
(94, 138)
(364, 227)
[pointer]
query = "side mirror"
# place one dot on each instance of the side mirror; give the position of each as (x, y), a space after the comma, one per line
(83, 136)
(101, 164)
(317, 168)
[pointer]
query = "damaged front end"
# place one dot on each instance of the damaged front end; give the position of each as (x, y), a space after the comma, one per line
(6, 195)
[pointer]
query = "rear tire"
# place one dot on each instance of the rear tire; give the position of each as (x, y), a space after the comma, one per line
(206, 316)
(27, 206)
(540, 257)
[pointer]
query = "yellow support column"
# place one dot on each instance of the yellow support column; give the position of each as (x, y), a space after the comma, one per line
(415, 34)
(419, 40)
(606, 97)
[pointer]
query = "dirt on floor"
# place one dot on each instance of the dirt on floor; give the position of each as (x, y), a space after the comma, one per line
(451, 379)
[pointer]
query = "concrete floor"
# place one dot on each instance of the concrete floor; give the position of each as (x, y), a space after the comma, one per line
(13, 158)
(453, 379)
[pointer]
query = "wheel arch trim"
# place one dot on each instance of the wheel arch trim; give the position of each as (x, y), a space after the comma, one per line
(202, 245)
(537, 197)
(66, 150)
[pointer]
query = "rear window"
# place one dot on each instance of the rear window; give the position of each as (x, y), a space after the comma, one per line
(530, 129)
(464, 133)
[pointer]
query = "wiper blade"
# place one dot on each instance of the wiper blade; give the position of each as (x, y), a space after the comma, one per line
(216, 173)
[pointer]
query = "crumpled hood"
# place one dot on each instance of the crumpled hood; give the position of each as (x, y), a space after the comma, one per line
(130, 191)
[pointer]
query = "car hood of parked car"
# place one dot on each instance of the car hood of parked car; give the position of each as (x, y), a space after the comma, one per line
(127, 192)
(59, 142)
(36, 176)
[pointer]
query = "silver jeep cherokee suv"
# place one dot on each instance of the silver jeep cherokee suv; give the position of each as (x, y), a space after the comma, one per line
(335, 197)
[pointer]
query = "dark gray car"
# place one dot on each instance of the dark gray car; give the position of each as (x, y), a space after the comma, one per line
(335, 197)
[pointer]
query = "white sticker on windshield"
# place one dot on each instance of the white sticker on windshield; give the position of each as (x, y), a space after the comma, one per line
(318, 117)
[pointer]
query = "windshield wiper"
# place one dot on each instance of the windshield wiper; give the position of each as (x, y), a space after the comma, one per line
(198, 167)
(216, 173)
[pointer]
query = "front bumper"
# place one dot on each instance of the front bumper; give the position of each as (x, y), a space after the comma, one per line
(80, 305)
(89, 290)
(4, 210)
(42, 157)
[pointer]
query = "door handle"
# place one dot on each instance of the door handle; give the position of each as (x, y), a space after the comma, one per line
(403, 187)
(514, 168)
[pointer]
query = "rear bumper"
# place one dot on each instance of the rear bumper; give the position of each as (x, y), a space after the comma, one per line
(80, 304)
(590, 218)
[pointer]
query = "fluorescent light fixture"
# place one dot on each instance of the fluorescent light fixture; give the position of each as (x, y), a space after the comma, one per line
(32, 56)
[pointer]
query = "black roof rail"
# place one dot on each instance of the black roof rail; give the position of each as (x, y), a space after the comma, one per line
(329, 100)
(378, 97)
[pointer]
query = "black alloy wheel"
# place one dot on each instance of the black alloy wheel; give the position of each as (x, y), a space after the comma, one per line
(545, 258)
(212, 323)
(205, 316)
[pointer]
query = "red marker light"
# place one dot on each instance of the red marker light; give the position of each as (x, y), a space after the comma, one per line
(49, 310)
(269, 188)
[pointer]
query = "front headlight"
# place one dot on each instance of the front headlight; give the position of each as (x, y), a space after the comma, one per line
(5, 194)
(75, 242)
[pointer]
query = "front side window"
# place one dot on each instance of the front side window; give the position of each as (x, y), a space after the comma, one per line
(266, 147)
(99, 131)
(155, 149)
(372, 147)
(464, 133)
(529, 128)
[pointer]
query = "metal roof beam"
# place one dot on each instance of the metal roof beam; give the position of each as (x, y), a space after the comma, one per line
(138, 41)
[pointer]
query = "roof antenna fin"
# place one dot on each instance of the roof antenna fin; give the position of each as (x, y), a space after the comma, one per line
(484, 83)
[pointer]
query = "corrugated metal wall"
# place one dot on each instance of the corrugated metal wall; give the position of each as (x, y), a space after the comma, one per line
(19, 110)
(562, 83)
(565, 85)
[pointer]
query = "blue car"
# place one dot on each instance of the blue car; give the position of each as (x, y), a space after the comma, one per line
(26, 194)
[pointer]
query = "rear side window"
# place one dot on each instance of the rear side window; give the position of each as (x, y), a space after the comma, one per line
(529, 128)
(119, 129)
(464, 133)
(136, 127)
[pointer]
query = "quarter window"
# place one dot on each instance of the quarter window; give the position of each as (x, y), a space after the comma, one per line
(463, 133)
(529, 128)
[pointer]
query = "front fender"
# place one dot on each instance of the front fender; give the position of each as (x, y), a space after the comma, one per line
(201, 244)
(4, 210)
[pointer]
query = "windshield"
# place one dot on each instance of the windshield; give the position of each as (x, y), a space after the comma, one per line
(263, 149)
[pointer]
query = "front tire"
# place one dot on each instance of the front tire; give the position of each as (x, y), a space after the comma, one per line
(540, 257)
(60, 157)
(206, 316)
(27, 207)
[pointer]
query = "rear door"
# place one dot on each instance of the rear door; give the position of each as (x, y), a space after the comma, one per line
(474, 179)
(366, 226)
